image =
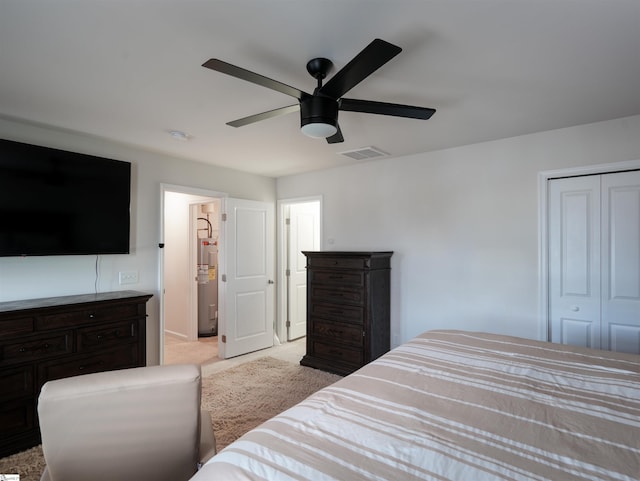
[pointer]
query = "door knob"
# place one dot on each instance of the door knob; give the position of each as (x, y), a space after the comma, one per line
(575, 308)
(269, 281)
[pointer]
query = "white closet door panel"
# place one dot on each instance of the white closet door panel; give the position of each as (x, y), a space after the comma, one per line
(574, 260)
(621, 262)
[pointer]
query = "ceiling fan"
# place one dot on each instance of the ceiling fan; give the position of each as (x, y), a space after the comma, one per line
(319, 111)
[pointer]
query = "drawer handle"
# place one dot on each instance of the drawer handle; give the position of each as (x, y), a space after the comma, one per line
(113, 335)
(41, 347)
(92, 315)
(91, 364)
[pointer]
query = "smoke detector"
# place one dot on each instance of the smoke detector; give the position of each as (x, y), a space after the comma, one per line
(179, 135)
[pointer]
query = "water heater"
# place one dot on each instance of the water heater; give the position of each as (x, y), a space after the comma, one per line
(207, 287)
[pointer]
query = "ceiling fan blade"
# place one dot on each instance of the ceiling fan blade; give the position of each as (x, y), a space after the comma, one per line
(264, 115)
(243, 74)
(337, 137)
(384, 108)
(374, 56)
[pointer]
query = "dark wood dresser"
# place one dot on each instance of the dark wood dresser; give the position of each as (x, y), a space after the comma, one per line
(57, 337)
(348, 305)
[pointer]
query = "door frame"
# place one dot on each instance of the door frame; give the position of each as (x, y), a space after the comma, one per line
(193, 293)
(281, 255)
(543, 232)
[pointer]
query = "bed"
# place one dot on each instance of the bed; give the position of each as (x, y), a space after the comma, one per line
(454, 405)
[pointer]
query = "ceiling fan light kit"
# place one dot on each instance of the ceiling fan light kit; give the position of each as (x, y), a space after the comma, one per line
(319, 112)
(318, 117)
(318, 130)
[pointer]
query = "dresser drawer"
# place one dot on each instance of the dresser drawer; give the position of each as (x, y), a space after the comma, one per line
(16, 383)
(337, 332)
(17, 417)
(105, 336)
(338, 262)
(34, 348)
(329, 295)
(16, 326)
(83, 316)
(335, 353)
(104, 361)
(337, 312)
(346, 278)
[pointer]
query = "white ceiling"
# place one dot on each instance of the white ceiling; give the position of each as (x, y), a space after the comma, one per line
(130, 71)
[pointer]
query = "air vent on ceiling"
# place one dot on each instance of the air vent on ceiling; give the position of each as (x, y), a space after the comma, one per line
(364, 153)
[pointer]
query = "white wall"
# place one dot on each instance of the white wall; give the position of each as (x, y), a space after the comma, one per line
(34, 277)
(463, 223)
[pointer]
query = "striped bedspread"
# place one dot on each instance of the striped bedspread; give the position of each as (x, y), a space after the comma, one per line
(453, 405)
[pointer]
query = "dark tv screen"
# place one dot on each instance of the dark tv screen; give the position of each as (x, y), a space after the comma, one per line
(54, 202)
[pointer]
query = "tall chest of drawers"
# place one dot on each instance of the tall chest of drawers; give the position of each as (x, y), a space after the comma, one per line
(46, 339)
(348, 309)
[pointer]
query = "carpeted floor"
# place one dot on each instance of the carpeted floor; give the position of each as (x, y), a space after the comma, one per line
(244, 396)
(239, 398)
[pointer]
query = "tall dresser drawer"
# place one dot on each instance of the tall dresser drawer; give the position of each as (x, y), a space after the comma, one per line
(338, 262)
(337, 332)
(347, 278)
(347, 296)
(337, 312)
(338, 353)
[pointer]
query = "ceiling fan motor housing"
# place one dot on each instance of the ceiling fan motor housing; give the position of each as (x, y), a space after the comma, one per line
(318, 110)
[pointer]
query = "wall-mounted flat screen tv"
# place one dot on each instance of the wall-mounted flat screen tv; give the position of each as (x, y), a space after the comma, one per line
(54, 202)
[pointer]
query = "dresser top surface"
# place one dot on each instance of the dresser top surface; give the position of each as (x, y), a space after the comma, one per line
(45, 302)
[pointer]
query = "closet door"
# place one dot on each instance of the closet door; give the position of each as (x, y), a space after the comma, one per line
(574, 260)
(621, 262)
(594, 261)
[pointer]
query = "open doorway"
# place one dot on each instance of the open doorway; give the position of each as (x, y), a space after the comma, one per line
(189, 275)
(246, 267)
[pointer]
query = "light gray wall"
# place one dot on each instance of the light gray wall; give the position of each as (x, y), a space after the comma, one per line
(463, 223)
(34, 277)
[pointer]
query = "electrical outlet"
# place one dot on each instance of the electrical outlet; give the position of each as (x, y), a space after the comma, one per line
(128, 277)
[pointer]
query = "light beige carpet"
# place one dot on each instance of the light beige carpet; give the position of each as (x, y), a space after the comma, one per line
(244, 396)
(238, 398)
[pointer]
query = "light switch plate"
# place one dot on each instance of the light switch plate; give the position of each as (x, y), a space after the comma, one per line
(128, 277)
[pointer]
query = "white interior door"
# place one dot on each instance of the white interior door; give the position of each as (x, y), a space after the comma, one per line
(249, 294)
(304, 235)
(574, 260)
(621, 262)
(594, 255)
